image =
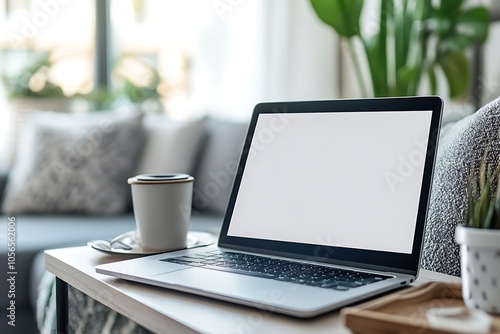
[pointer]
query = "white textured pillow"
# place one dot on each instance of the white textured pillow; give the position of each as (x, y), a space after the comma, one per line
(75, 163)
(170, 145)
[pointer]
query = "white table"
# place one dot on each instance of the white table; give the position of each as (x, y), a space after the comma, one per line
(160, 309)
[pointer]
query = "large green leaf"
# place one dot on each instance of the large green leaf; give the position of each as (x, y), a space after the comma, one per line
(455, 43)
(341, 15)
(403, 23)
(378, 73)
(449, 7)
(468, 28)
(381, 80)
(457, 71)
(405, 76)
(473, 23)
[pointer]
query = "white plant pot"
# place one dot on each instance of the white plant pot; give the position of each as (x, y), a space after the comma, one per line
(480, 263)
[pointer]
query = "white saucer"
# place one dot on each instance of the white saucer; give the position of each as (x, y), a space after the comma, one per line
(126, 243)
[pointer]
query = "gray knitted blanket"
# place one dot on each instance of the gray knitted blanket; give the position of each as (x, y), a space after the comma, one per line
(461, 148)
(85, 314)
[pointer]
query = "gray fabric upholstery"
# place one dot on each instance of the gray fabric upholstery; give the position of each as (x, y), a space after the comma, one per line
(217, 165)
(75, 164)
(4, 174)
(462, 146)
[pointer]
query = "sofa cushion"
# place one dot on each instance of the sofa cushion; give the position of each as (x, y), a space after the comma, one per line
(170, 145)
(461, 147)
(217, 164)
(75, 163)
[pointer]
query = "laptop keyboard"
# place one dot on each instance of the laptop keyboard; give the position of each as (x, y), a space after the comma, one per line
(281, 270)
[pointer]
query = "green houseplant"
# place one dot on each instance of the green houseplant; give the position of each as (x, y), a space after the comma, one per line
(33, 87)
(414, 39)
(34, 80)
(134, 81)
(479, 240)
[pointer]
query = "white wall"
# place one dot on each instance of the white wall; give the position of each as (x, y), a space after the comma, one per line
(262, 51)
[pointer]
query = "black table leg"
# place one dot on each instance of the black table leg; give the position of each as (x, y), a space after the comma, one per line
(61, 306)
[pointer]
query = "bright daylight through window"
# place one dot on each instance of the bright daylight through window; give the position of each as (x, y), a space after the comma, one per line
(50, 56)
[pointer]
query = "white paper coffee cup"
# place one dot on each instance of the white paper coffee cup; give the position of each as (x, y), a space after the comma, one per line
(162, 209)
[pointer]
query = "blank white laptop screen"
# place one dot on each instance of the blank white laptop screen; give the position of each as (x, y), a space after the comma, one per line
(364, 193)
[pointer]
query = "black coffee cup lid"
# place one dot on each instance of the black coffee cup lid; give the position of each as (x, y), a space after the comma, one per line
(160, 178)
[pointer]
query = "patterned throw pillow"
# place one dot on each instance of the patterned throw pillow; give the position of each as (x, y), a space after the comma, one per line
(75, 163)
(461, 146)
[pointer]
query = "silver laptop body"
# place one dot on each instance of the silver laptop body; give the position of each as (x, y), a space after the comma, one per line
(341, 184)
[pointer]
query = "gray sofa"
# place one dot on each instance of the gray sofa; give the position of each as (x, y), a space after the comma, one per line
(217, 149)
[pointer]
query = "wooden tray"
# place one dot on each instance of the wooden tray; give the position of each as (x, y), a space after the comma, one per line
(405, 311)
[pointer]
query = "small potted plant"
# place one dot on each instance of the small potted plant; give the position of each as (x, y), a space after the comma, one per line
(479, 239)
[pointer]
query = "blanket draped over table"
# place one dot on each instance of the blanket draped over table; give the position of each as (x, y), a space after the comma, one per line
(85, 315)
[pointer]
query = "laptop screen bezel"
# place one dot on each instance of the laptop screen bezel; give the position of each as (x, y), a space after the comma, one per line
(369, 259)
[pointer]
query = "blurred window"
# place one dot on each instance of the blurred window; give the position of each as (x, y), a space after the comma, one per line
(151, 40)
(55, 37)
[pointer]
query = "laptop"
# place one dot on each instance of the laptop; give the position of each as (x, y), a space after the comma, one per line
(328, 208)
